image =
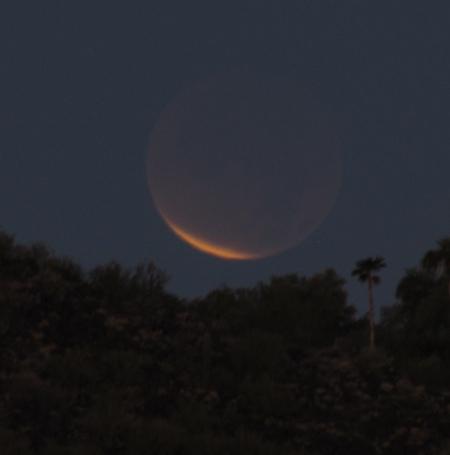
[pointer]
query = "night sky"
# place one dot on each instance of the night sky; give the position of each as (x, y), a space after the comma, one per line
(82, 84)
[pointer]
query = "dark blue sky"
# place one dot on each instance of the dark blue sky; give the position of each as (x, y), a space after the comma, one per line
(82, 84)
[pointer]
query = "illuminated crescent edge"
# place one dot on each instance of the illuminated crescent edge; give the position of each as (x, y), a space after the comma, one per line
(208, 247)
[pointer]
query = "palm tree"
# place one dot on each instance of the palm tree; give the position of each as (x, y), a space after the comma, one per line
(366, 270)
(438, 261)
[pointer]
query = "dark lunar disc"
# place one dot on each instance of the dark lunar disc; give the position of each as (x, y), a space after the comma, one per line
(244, 166)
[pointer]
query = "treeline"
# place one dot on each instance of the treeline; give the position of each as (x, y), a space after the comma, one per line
(107, 361)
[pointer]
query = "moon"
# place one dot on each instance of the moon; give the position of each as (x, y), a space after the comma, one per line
(244, 165)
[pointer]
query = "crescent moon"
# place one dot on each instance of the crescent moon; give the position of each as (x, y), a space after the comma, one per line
(244, 165)
(208, 247)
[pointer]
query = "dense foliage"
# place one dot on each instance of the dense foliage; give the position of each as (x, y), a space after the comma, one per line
(108, 362)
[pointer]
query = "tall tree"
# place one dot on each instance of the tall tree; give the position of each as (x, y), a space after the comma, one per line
(366, 271)
(438, 261)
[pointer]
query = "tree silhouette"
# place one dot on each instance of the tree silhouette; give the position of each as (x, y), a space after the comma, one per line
(110, 362)
(438, 261)
(366, 270)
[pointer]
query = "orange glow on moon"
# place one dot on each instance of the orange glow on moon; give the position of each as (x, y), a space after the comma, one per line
(208, 247)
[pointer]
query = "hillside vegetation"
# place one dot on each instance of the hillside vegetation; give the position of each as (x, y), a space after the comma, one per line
(107, 361)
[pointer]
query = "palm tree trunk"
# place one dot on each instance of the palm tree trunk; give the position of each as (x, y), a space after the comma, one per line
(371, 316)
